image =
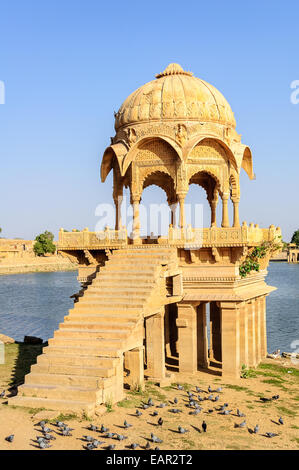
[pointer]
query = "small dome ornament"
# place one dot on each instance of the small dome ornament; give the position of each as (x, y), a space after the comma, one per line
(173, 69)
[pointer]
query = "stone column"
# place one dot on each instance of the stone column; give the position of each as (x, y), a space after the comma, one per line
(258, 355)
(202, 337)
(187, 340)
(155, 346)
(225, 218)
(134, 361)
(263, 328)
(118, 201)
(251, 334)
(167, 331)
(135, 200)
(230, 339)
(213, 205)
(244, 334)
(173, 208)
(236, 213)
(181, 198)
(215, 332)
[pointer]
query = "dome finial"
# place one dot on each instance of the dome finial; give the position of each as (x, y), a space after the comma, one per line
(173, 69)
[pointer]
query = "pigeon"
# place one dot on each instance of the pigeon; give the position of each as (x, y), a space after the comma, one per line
(200, 398)
(49, 437)
(88, 438)
(46, 429)
(96, 443)
(90, 446)
(180, 387)
(109, 435)
(134, 445)
(44, 445)
(155, 439)
(195, 412)
(182, 430)
(60, 424)
(280, 421)
(204, 426)
(160, 421)
(138, 413)
(226, 412)
(157, 448)
(162, 405)
(155, 413)
(210, 397)
(127, 425)
(41, 423)
(265, 399)
(199, 390)
(216, 398)
(111, 447)
(92, 427)
(240, 415)
(120, 437)
(145, 406)
(275, 397)
(241, 425)
(256, 429)
(211, 411)
(150, 402)
(271, 434)
(219, 389)
(148, 446)
(209, 389)
(2, 394)
(66, 432)
(175, 410)
(10, 438)
(103, 429)
(175, 400)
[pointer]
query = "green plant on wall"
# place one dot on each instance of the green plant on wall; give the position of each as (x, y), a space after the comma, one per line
(251, 262)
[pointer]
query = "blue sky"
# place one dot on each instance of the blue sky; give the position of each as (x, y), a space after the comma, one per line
(68, 64)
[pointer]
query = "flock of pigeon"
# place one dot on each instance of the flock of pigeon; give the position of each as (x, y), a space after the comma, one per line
(193, 402)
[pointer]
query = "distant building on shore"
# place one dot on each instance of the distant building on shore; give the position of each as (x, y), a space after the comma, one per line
(293, 253)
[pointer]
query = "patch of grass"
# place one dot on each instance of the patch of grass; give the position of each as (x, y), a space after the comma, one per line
(189, 443)
(286, 411)
(126, 403)
(276, 383)
(238, 388)
(279, 369)
(18, 361)
(65, 417)
(294, 426)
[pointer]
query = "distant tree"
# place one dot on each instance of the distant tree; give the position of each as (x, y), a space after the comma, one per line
(44, 244)
(295, 237)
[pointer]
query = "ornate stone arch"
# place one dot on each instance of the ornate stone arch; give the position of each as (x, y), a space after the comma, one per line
(163, 180)
(213, 142)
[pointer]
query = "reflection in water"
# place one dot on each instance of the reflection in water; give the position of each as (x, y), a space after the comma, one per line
(35, 304)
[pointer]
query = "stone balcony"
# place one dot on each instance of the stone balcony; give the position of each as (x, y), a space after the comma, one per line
(189, 237)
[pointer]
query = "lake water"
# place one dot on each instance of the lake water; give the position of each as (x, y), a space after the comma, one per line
(35, 304)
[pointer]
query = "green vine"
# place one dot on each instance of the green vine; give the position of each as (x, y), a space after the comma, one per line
(251, 262)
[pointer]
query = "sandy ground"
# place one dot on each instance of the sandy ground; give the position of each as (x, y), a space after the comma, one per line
(272, 378)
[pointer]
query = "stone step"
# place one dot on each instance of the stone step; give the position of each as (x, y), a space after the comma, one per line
(114, 295)
(102, 317)
(64, 369)
(120, 304)
(91, 351)
(121, 290)
(85, 343)
(147, 268)
(112, 323)
(69, 380)
(106, 339)
(140, 275)
(107, 309)
(68, 406)
(124, 282)
(104, 364)
(59, 392)
(96, 325)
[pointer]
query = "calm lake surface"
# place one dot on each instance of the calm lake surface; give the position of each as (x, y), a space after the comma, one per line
(35, 304)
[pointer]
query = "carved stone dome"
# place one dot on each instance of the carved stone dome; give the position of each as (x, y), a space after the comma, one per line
(175, 95)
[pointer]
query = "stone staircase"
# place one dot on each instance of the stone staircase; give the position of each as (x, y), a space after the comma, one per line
(82, 366)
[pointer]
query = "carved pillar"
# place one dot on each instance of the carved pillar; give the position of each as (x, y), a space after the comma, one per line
(213, 205)
(236, 213)
(181, 198)
(155, 346)
(251, 334)
(187, 338)
(244, 334)
(263, 328)
(118, 201)
(134, 362)
(202, 337)
(173, 208)
(225, 218)
(135, 201)
(230, 339)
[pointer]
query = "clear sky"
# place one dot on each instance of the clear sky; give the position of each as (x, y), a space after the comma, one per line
(68, 64)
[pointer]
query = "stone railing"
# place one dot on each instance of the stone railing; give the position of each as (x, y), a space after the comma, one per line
(250, 235)
(86, 239)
